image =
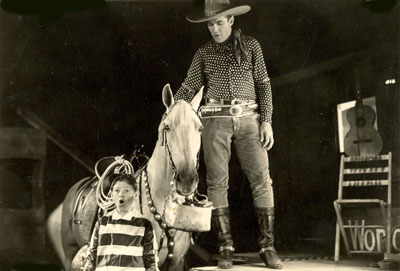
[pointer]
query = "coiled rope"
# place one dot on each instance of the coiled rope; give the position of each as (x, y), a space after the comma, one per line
(119, 166)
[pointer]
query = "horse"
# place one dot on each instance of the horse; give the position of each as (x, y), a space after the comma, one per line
(173, 163)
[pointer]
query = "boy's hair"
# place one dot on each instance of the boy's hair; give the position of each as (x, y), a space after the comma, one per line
(129, 179)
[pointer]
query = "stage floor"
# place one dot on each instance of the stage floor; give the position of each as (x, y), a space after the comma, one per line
(298, 266)
(251, 262)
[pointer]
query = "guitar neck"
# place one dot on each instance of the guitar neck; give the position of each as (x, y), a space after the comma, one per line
(359, 101)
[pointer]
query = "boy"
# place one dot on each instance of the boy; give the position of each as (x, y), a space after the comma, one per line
(123, 239)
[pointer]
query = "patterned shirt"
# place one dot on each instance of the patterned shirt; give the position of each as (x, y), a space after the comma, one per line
(215, 66)
(122, 243)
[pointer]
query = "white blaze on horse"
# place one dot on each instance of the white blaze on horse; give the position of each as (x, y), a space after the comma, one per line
(170, 172)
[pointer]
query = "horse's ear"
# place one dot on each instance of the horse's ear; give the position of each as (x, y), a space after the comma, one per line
(197, 99)
(167, 97)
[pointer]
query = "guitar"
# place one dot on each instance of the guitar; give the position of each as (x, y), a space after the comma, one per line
(362, 138)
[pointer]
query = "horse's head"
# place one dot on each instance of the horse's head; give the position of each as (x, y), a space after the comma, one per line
(180, 133)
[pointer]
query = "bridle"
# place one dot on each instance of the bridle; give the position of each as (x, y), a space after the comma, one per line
(166, 230)
(164, 142)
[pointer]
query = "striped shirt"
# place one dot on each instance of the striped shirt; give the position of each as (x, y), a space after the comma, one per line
(122, 243)
(214, 66)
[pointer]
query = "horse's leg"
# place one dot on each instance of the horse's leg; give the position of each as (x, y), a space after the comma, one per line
(69, 243)
(182, 244)
(54, 231)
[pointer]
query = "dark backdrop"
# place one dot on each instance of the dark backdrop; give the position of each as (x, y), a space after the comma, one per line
(95, 76)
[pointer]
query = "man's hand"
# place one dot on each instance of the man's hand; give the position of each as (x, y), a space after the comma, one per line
(266, 135)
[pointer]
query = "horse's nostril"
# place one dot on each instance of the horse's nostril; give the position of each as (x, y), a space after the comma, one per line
(187, 176)
(186, 183)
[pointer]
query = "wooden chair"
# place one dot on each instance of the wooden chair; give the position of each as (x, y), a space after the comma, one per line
(363, 175)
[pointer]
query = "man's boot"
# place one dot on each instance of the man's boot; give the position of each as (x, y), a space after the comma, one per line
(220, 221)
(265, 217)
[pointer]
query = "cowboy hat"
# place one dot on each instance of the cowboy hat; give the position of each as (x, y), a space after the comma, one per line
(216, 8)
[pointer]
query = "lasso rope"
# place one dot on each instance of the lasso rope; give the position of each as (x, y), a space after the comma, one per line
(120, 166)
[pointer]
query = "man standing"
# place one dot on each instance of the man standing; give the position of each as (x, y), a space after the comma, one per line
(238, 111)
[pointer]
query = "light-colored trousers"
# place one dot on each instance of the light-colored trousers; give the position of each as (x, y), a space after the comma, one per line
(244, 134)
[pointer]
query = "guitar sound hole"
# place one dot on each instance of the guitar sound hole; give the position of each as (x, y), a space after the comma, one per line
(361, 122)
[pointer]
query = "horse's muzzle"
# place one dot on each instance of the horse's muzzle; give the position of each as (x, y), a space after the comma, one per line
(186, 184)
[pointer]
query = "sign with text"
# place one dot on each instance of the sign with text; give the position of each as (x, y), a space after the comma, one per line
(372, 238)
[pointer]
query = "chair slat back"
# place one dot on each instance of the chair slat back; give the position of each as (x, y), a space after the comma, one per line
(365, 171)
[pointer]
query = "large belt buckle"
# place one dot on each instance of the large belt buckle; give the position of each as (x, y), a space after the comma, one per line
(235, 109)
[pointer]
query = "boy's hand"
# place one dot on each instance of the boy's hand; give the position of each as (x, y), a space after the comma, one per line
(87, 267)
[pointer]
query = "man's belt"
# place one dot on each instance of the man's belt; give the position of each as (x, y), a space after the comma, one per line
(227, 102)
(233, 110)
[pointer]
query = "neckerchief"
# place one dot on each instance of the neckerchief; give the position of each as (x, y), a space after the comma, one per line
(238, 44)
